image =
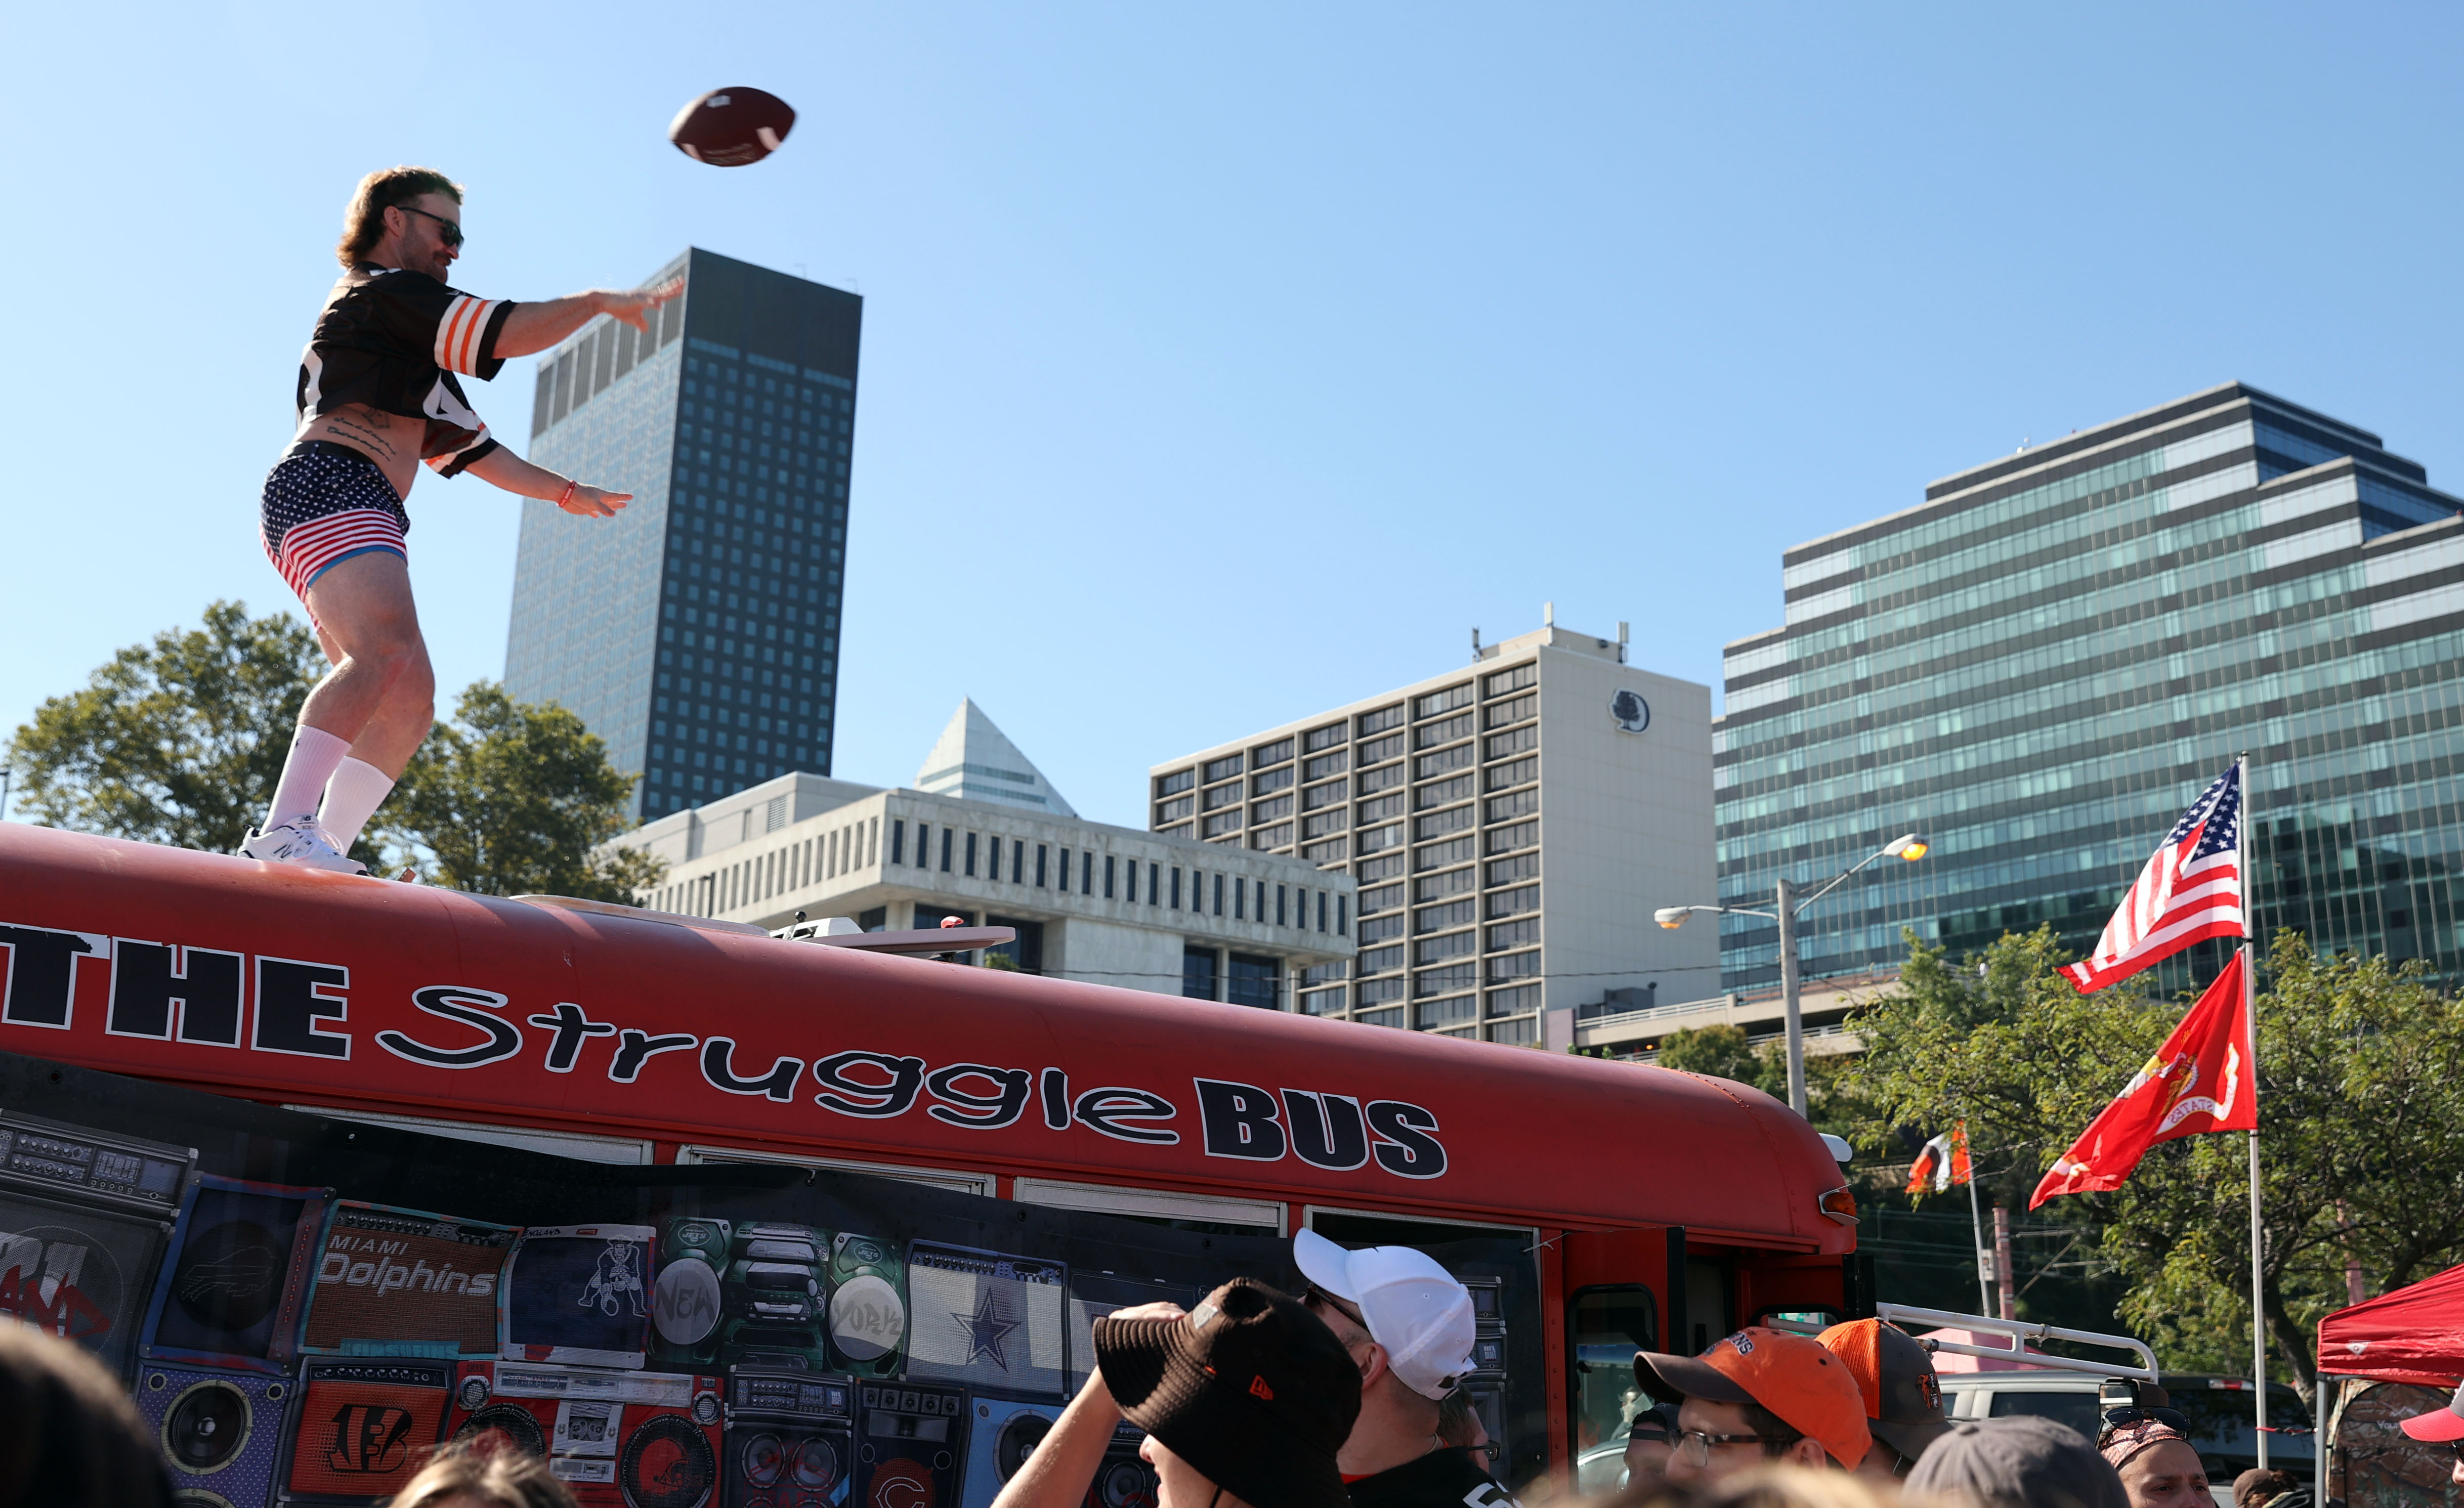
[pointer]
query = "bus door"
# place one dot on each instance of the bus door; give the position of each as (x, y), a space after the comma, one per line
(1628, 1291)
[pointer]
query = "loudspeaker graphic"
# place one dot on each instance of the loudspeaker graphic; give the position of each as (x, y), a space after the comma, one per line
(235, 1284)
(911, 1444)
(360, 1428)
(1000, 1438)
(867, 1287)
(85, 1216)
(685, 1298)
(1125, 1480)
(221, 1432)
(579, 1295)
(386, 1277)
(619, 1440)
(790, 1441)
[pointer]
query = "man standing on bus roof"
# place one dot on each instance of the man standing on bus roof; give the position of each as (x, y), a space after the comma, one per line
(1408, 1326)
(1757, 1397)
(378, 394)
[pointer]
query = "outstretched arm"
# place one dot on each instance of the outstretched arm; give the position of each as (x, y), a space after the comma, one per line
(501, 467)
(1063, 1463)
(532, 328)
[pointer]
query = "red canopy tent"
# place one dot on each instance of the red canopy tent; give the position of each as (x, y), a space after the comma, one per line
(2413, 1335)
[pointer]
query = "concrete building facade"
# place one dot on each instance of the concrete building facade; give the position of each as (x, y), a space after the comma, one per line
(1088, 901)
(696, 631)
(1511, 826)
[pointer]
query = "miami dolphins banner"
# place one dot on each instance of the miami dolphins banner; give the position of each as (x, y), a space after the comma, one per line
(2204, 1079)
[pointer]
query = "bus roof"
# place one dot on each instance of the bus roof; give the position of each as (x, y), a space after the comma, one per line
(293, 985)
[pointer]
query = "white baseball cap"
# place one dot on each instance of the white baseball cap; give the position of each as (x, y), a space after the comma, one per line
(1414, 1307)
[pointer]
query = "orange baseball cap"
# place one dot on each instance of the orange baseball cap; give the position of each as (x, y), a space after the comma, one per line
(1790, 1375)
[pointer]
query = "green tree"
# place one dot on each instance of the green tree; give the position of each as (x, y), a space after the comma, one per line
(515, 799)
(1720, 1051)
(2361, 1078)
(177, 741)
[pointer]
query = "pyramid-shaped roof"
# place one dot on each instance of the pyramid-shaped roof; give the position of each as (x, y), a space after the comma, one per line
(975, 760)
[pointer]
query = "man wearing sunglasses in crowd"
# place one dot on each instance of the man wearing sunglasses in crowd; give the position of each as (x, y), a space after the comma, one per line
(1408, 1326)
(1758, 1397)
(379, 393)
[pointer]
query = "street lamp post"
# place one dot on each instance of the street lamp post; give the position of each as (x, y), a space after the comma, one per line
(1784, 910)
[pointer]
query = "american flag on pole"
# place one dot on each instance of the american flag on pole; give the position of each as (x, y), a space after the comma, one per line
(2191, 890)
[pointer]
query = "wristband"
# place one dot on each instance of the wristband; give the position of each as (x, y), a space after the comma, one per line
(568, 493)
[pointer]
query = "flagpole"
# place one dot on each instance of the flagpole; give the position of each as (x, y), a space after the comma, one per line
(2258, 1233)
(1976, 1221)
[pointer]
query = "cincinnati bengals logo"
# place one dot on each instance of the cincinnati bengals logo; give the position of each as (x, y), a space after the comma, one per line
(370, 1440)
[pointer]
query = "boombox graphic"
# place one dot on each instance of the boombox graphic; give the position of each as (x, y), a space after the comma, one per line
(772, 1296)
(359, 1427)
(998, 1442)
(790, 1441)
(868, 1288)
(911, 1444)
(233, 1289)
(220, 1430)
(621, 1439)
(579, 1295)
(401, 1280)
(84, 1218)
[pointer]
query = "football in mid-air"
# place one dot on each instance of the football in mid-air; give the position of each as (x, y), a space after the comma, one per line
(732, 127)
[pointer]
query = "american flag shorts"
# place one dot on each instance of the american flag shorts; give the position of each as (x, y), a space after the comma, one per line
(324, 503)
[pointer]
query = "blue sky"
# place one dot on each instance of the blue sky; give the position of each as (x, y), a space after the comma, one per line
(1223, 365)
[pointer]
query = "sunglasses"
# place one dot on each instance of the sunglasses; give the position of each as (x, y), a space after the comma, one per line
(452, 231)
(2169, 1418)
(1317, 1295)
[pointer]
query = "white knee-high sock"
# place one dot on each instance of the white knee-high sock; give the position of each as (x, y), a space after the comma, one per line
(315, 754)
(352, 796)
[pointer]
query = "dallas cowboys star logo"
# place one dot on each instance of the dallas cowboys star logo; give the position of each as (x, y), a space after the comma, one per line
(988, 1331)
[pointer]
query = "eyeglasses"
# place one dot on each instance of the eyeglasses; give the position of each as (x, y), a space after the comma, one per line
(1694, 1446)
(2169, 1418)
(452, 231)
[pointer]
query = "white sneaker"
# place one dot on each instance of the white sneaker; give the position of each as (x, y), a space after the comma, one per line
(300, 841)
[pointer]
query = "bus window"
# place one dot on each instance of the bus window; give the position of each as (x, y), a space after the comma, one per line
(1710, 1307)
(1206, 1213)
(1604, 1327)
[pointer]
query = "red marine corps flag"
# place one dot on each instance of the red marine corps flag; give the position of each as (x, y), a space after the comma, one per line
(2191, 890)
(2200, 1080)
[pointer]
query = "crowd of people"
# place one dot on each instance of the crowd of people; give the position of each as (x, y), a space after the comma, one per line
(1351, 1395)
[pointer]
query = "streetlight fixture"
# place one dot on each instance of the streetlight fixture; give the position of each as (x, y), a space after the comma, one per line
(1911, 847)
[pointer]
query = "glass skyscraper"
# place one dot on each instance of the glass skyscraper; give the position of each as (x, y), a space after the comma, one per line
(2044, 662)
(696, 631)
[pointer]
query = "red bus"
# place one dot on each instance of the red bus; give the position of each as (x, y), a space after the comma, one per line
(515, 1070)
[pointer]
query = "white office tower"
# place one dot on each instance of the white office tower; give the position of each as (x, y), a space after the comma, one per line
(1511, 826)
